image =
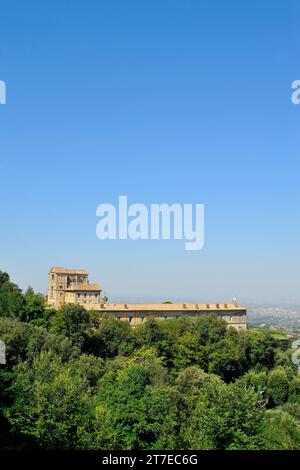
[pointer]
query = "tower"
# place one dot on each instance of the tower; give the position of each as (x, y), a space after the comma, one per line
(71, 286)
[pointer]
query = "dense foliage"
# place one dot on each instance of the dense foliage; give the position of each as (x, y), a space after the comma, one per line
(71, 382)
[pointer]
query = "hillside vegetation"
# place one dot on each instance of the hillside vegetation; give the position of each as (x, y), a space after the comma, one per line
(71, 382)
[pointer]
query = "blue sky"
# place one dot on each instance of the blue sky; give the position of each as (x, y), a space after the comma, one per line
(163, 101)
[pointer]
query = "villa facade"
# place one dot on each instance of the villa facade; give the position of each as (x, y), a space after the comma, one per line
(68, 286)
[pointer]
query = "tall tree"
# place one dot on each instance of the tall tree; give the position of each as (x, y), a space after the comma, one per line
(11, 299)
(72, 322)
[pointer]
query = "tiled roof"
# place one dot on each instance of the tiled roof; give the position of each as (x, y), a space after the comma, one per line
(68, 271)
(84, 288)
(173, 307)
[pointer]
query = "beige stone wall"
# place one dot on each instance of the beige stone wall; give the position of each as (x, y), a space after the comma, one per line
(70, 298)
(58, 283)
(89, 300)
(237, 321)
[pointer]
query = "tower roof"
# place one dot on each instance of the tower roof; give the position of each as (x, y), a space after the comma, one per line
(84, 287)
(59, 270)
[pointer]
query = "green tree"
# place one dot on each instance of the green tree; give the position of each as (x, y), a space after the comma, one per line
(294, 388)
(89, 368)
(278, 386)
(152, 333)
(280, 431)
(142, 407)
(11, 299)
(190, 384)
(34, 309)
(112, 337)
(209, 329)
(227, 357)
(260, 349)
(72, 322)
(51, 403)
(24, 342)
(225, 417)
(282, 358)
(186, 352)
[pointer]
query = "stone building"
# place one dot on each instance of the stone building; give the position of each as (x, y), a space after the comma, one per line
(72, 286)
(137, 314)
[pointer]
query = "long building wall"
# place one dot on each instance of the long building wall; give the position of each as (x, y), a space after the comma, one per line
(72, 286)
(137, 314)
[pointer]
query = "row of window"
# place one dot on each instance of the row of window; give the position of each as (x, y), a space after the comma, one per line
(165, 318)
(85, 294)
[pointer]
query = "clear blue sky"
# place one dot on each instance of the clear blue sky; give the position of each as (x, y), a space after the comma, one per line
(165, 101)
